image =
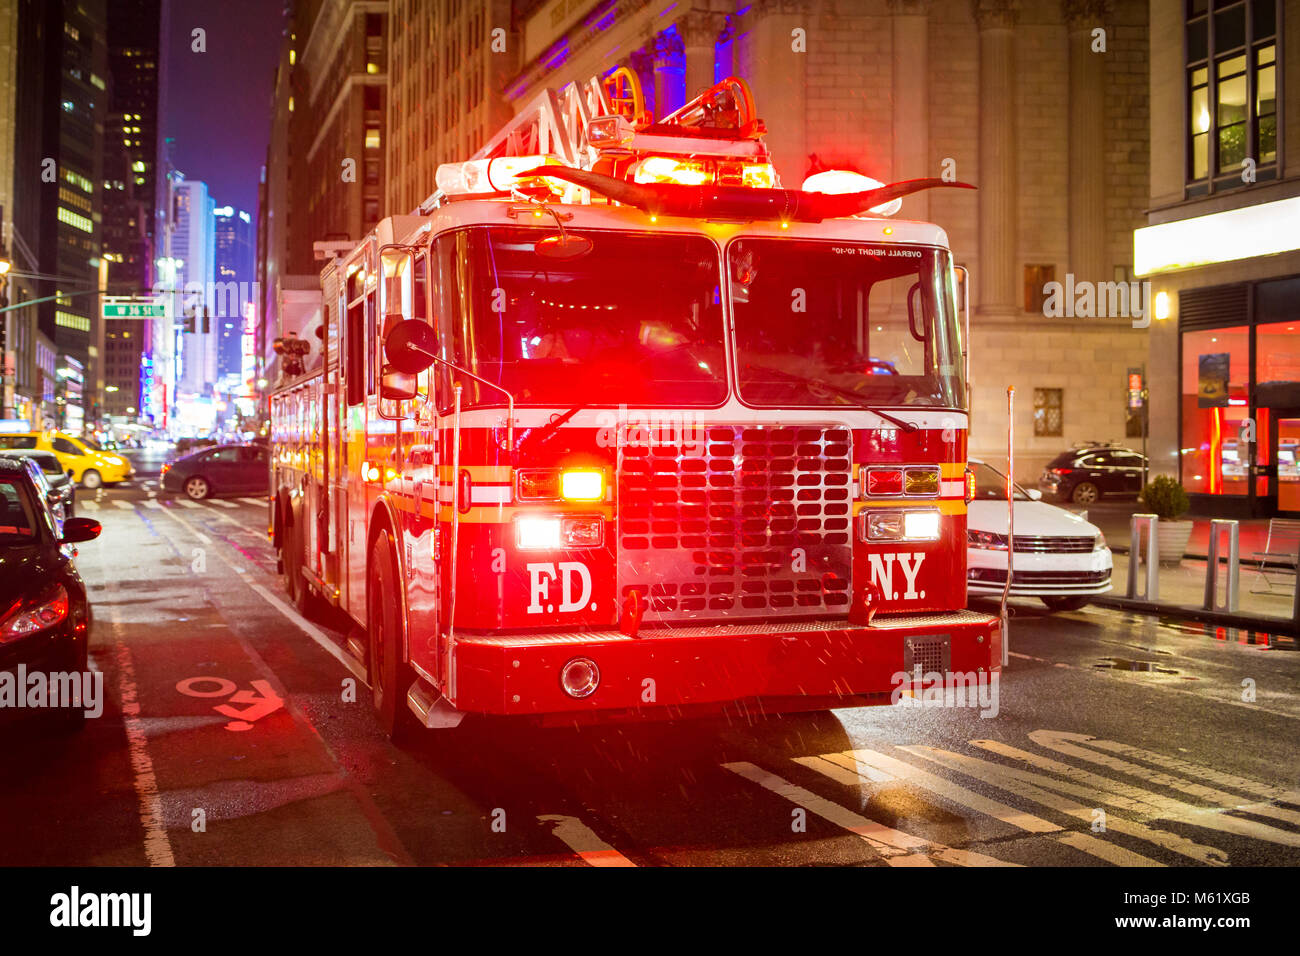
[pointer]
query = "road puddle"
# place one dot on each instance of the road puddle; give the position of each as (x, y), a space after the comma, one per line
(1127, 664)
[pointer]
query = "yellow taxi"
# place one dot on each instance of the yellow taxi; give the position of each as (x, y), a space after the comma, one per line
(87, 463)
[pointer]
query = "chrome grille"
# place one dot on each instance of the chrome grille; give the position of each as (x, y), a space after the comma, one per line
(736, 520)
(1058, 544)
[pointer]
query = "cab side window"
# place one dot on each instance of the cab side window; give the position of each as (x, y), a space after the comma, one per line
(17, 441)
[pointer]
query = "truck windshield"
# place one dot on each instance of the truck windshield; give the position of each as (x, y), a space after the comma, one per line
(838, 323)
(638, 320)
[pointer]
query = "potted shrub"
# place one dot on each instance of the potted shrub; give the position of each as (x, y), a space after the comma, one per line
(1165, 498)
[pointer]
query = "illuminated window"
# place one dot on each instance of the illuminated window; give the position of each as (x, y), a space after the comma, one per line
(1231, 91)
(1036, 277)
(1047, 412)
(73, 219)
(372, 139)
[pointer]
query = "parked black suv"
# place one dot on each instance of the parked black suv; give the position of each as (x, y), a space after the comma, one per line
(1092, 471)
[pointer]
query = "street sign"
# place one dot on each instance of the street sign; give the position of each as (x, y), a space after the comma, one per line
(133, 307)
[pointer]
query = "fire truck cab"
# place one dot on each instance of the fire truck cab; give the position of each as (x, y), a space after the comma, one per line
(614, 426)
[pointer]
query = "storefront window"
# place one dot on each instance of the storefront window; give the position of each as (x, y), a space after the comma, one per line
(1215, 399)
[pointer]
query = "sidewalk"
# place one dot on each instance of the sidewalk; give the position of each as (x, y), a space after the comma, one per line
(1181, 593)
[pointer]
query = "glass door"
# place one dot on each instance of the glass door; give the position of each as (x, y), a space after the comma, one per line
(1284, 440)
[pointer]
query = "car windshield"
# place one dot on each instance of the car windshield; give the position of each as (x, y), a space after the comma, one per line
(831, 323)
(991, 484)
(90, 443)
(637, 320)
(17, 526)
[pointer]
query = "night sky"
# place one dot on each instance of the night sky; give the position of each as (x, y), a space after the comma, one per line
(219, 102)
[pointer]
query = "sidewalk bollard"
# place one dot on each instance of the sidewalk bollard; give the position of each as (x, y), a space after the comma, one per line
(1136, 524)
(1217, 527)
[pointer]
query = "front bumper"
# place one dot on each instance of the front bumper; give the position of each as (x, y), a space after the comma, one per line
(1039, 574)
(784, 666)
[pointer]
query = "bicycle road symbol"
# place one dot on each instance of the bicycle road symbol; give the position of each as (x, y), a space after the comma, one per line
(258, 702)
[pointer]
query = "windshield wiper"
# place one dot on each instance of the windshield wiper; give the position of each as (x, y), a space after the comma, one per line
(849, 394)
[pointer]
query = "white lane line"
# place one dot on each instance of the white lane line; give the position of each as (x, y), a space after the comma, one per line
(304, 625)
(88, 505)
(222, 503)
(949, 791)
(1064, 742)
(1106, 851)
(583, 841)
(157, 846)
(898, 848)
(1035, 788)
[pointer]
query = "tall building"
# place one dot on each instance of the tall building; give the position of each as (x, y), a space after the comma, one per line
(132, 142)
(1043, 104)
(234, 267)
(1220, 246)
(447, 71)
(338, 86)
(193, 242)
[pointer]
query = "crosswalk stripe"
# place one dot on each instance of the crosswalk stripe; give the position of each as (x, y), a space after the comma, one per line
(223, 503)
(1025, 784)
(949, 790)
(253, 501)
(88, 505)
(152, 503)
(1220, 777)
(186, 503)
(124, 505)
(582, 840)
(1106, 851)
(897, 848)
(851, 777)
(1063, 742)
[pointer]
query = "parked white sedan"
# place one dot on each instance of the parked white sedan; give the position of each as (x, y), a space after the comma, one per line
(1059, 557)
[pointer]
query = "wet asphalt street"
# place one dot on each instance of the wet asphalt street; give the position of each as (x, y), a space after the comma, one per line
(237, 732)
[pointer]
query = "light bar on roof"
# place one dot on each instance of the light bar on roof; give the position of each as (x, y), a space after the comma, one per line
(495, 175)
(837, 182)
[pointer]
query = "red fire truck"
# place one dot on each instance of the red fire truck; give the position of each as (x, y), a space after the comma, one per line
(615, 426)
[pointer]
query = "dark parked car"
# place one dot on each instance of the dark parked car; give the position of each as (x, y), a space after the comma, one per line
(59, 479)
(44, 615)
(224, 470)
(1091, 472)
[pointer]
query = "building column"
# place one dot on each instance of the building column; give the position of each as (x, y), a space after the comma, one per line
(699, 30)
(998, 280)
(1087, 201)
(670, 74)
(911, 88)
(780, 82)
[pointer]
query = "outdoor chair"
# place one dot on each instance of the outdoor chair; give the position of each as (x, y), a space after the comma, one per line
(1281, 554)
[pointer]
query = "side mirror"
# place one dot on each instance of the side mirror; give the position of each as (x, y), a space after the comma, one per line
(396, 385)
(411, 346)
(80, 529)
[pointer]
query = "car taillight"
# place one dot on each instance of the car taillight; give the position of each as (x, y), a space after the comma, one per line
(165, 468)
(1059, 471)
(25, 620)
(884, 481)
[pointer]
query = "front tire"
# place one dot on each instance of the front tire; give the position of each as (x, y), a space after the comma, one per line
(1085, 493)
(389, 675)
(197, 488)
(1071, 603)
(91, 479)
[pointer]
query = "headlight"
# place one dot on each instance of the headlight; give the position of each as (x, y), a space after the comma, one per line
(901, 526)
(556, 533)
(1100, 543)
(921, 525)
(52, 609)
(986, 540)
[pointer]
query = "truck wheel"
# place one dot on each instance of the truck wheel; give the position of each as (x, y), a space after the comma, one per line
(390, 677)
(91, 479)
